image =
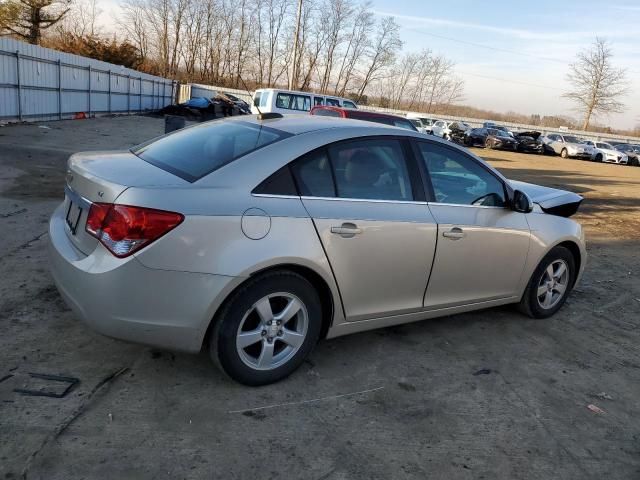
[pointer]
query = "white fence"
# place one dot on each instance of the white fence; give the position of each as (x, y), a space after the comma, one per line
(209, 91)
(42, 84)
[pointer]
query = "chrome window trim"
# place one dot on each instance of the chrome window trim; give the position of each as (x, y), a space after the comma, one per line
(465, 205)
(368, 200)
(272, 195)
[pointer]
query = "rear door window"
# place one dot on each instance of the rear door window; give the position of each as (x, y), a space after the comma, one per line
(194, 152)
(371, 169)
(313, 174)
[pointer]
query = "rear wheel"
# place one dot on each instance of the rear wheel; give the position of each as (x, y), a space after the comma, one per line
(267, 329)
(564, 153)
(599, 157)
(549, 285)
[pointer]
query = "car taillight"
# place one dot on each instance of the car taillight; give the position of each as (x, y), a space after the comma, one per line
(124, 229)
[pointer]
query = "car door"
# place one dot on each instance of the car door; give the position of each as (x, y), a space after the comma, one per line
(438, 128)
(367, 204)
(482, 245)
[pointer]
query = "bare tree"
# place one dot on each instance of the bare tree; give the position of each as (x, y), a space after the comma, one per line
(597, 85)
(385, 46)
(28, 18)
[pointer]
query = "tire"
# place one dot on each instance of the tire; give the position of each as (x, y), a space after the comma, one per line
(488, 144)
(535, 296)
(270, 294)
(564, 153)
(599, 158)
(634, 162)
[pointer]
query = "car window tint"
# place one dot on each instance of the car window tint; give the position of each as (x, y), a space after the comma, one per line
(371, 169)
(194, 152)
(256, 99)
(293, 102)
(348, 104)
(318, 101)
(459, 179)
(280, 183)
(333, 102)
(313, 176)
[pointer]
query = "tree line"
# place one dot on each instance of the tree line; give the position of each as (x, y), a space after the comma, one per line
(337, 47)
(342, 47)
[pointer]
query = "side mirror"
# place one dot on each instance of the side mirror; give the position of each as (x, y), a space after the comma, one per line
(521, 202)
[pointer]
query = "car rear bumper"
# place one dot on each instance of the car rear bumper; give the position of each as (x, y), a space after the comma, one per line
(123, 299)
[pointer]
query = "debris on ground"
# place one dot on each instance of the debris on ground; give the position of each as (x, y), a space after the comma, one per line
(483, 371)
(44, 126)
(603, 396)
(595, 409)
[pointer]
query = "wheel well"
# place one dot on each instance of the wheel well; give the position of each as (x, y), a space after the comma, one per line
(326, 299)
(575, 251)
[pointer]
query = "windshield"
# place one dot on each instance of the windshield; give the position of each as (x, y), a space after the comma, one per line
(604, 145)
(194, 152)
(571, 139)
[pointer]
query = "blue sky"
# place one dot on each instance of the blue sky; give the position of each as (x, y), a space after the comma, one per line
(542, 37)
(531, 43)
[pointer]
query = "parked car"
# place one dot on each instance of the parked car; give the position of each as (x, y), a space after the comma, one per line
(631, 150)
(490, 138)
(255, 238)
(376, 117)
(240, 104)
(195, 108)
(458, 131)
(605, 152)
(272, 100)
(426, 123)
(440, 128)
(501, 140)
(529, 142)
(497, 127)
(567, 146)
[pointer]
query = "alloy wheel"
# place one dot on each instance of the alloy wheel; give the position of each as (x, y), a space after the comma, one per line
(272, 331)
(553, 284)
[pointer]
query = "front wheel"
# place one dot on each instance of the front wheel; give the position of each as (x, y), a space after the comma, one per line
(267, 329)
(564, 153)
(599, 157)
(549, 285)
(488, 144)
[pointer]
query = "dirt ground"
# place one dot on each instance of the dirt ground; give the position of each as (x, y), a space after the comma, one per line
(485, 395)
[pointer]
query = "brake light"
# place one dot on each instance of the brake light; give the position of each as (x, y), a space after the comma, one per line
(124, 229)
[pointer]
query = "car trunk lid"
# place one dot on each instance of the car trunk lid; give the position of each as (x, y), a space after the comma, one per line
(102, 177)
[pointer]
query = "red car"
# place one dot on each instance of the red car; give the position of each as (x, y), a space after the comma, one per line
(383, 118)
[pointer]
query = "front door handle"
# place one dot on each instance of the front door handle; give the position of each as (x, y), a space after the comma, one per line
(456, 233)
(346, 230)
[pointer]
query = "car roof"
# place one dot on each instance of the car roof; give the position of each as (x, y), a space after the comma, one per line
(296, 124)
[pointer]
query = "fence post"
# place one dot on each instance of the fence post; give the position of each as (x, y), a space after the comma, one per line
(19, 85)
(109, 91)
(89, 91)
(59, 89)
(128, 94)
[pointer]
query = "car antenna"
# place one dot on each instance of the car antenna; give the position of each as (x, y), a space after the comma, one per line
(261, 116)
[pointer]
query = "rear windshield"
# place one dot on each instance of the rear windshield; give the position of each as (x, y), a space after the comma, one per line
(197, 151)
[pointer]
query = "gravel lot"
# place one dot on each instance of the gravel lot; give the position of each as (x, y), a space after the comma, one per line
(396, 403)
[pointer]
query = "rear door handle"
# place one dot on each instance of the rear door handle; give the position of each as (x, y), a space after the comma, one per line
(346, 230)
(455, 233)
